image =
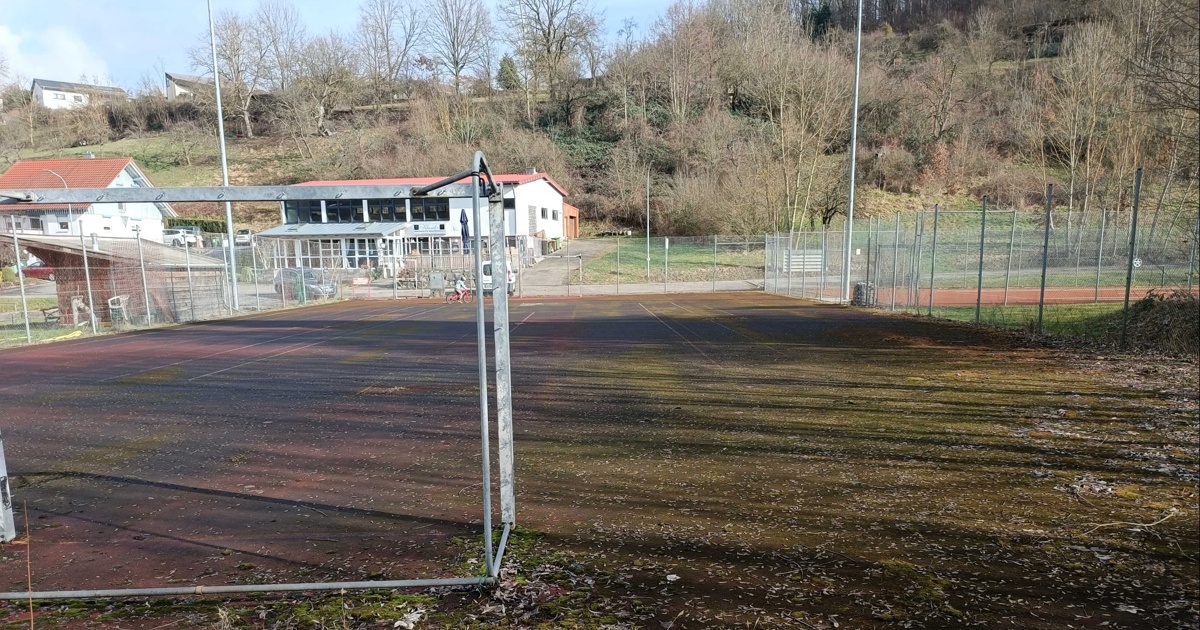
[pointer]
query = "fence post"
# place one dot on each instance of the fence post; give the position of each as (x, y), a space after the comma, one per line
(1008, 269)
(788, 263)
(666, 262)
(87, 276)
(982, 236)
(1045, 256)
(804, 267)
(914, 279)
(714, 264)
(933, 255)
(1100, 255)
(1137, 191)
(187, 261)
(895, 259)
(566, 256)
(1192, 255)
(24, 301)
(618, 265)
(870, 244)
(822, 280)
(145, 287)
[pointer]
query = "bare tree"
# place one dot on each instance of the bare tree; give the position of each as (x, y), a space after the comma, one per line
(551, 33)
(686, 50)
(241, 60)
(389, 31)
(457, 36)
(3, 67)
(282, 32)
(325, 77)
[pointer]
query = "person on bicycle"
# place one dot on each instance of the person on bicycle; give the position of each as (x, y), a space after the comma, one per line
(460, 286)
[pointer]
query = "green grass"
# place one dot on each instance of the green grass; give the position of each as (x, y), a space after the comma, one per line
(690, 260)
(1075, 320)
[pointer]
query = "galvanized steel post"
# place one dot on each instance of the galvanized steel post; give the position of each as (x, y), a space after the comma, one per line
(187, 261)
(145, 286)
(24, 301)
(714, 264)
(87, 276)
(1099, 256)
(1045, 256)
(500, 333)
(982, 237)
(8, 527)
(1008, 269)
(1137, 191)
(618, 265)
(933, 256)
(895, 258)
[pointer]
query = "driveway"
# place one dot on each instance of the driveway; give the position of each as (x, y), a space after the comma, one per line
(553, 270)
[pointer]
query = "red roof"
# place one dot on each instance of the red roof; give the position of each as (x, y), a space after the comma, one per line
(70, 173)
(516, 180)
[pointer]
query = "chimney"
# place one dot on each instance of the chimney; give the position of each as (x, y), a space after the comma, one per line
(532, 170)
(89, 156)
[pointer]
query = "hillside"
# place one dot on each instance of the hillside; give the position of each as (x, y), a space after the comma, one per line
(740, 117)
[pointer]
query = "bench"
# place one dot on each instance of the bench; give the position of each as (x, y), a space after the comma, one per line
(52, 315)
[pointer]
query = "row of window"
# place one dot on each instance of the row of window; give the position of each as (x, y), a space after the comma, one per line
(351, 210)
(59, 96)
(553, 214)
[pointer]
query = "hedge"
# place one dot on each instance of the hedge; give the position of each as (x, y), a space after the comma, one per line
(208, 226)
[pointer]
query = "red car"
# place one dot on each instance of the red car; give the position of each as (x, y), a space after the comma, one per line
(39, 270)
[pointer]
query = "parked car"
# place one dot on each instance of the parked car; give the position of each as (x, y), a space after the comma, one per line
(243, 237)
(39, 270)
(487, 277)
(177, 237)
(317, 286)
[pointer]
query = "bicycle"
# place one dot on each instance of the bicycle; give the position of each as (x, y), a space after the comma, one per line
(453, 296)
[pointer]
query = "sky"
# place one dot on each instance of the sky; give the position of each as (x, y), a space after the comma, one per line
(122, 42)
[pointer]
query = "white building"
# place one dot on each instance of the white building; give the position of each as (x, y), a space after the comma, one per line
(63, 95)
(183, 85)
(102, 219)
(353, 233)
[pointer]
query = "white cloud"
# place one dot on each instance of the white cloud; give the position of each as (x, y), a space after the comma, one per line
(50, 53)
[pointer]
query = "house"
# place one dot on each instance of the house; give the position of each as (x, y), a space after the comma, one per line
(63, 95)
(182, 86)
(402, 232)
(104, 219)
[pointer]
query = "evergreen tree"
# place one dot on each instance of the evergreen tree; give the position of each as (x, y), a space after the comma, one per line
(507, 77)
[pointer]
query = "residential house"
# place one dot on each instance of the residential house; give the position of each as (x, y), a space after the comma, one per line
(397, 232)
(63, 95)
(182, 86)
(104, 219)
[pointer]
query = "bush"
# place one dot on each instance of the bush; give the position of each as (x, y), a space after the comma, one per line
(8, 275)
(893, 169)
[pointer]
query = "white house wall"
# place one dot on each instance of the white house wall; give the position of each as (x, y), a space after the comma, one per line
(47, 98)
(539, 194)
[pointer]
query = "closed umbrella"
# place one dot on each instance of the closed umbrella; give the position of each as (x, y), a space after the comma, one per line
(466, 234)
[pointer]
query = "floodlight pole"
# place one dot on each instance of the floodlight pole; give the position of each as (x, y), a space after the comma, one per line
(647, 223)
(212, 36)
(853, 159)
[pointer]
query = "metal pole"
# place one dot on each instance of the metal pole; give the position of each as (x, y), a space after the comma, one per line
(87, 276)
(714, 264)
(1008, 269)
(804, 267)
(21, 279)
(1099, 256)
(915, 266)
(500, 336)
(788, 263)
(824, 257)
(666, 262)
(145, 287)
(212, 36)
(647, 224)
(1137, 191)
(895, 259)
(1045, 256)
(933, 256)
(187, 259)
(982, 235)
(1192, 255)
(870, 244)
(618, 265)
(853, 156)
(567, 256)
(8, 528)
(254, 270)
(481, 347)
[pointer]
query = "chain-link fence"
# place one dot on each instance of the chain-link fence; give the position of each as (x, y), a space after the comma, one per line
(989, 267)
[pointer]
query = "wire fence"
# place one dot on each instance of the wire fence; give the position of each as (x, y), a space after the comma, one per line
(1002, 267)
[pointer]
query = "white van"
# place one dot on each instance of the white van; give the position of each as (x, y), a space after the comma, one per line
(487, 277)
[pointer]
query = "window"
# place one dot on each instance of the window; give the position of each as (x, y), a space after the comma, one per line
(59, 97)
(120, 206)
(35, 223)
(78, 98)
(554, 214)
(342, 211)
(386, 210)
(433, 209)
(544, 211)
(301, 212)
(510, 203)
(64, 226)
